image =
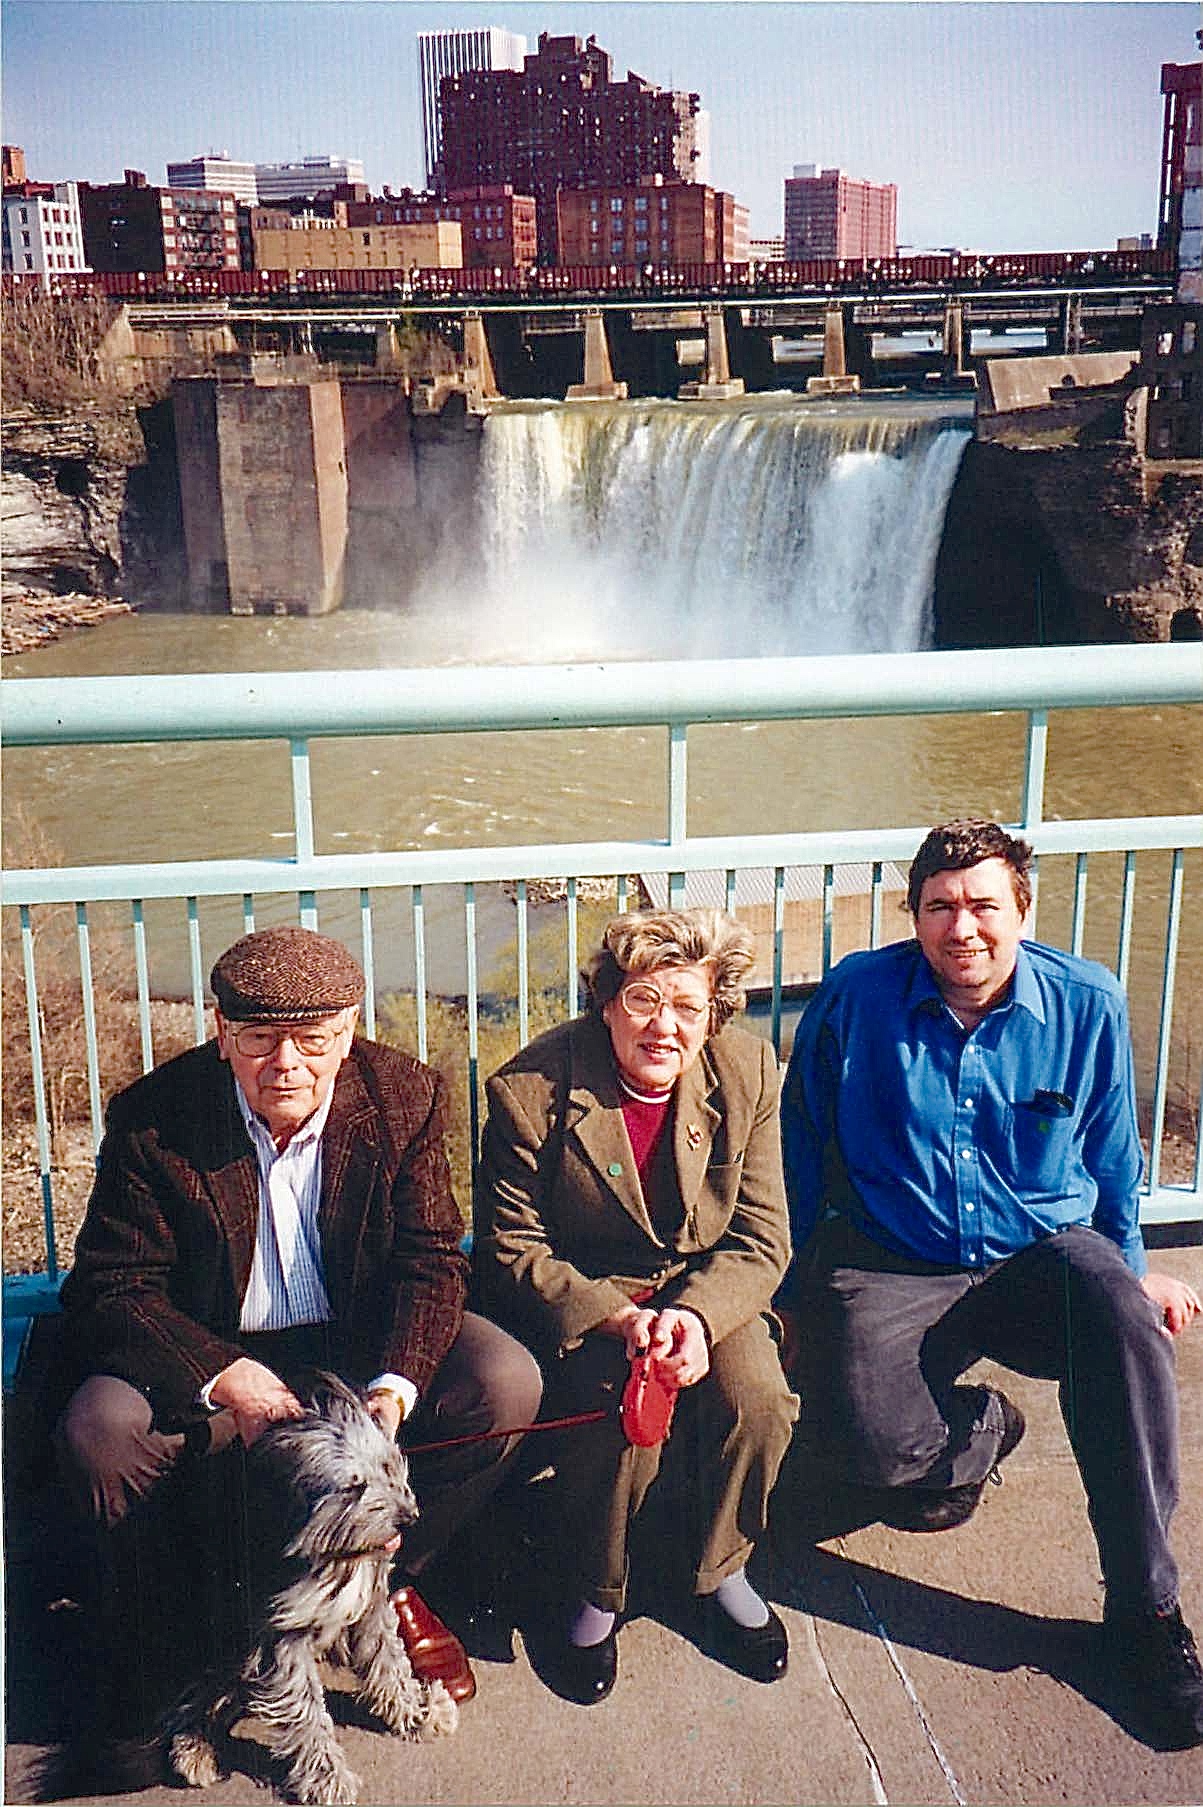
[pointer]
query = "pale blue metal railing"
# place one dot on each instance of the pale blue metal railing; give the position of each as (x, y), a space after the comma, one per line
(301, 708)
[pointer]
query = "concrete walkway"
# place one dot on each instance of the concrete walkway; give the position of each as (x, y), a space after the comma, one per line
(942, 1669)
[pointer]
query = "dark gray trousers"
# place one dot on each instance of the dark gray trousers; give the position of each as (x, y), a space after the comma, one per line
(888, 1338)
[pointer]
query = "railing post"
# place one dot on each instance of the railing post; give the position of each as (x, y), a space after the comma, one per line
(678, 778)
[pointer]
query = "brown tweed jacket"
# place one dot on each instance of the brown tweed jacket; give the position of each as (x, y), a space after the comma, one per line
(563, 1235)
(164, 1255)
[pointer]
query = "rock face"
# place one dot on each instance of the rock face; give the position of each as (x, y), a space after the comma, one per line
(90, 518)
(1067, 538)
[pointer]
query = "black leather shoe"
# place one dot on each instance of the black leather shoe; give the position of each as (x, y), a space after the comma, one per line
(929, 1509)
(582, 1673)
(760, 1652)
(1156, 1655)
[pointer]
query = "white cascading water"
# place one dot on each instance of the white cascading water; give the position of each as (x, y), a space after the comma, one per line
(663, 530)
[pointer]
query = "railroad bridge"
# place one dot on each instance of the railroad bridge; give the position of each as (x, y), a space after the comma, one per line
(590, 331)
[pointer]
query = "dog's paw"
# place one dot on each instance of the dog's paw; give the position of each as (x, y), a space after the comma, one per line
(442, 1714)
(328, 1782)
(194, 1760)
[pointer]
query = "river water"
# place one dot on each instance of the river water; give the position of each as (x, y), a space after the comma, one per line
(610, 532)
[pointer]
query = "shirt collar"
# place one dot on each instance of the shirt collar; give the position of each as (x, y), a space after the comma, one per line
(925, 994)
(259, 1133)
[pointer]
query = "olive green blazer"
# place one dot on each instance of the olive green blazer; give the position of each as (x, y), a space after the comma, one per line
(562, 1232)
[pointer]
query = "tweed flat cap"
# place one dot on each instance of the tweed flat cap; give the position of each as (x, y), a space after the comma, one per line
(285, 975)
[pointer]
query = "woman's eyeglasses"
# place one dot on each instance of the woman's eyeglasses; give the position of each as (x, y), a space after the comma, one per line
(641, 1002)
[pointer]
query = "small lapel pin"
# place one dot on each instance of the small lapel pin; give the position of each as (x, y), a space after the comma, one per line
(615, 1170)
(693, 1136)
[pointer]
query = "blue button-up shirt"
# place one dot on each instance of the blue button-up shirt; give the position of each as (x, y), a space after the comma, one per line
(963, 1147)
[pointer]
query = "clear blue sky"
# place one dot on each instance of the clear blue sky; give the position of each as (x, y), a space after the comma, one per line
(1007, 126)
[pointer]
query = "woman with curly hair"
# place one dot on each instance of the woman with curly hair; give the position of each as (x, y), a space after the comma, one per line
(630, 1215)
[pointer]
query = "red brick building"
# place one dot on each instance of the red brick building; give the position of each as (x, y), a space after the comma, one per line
(650, 222)
(829, 214)
(497, 225)
(563, 122)
(131, 226)
(1180, 209)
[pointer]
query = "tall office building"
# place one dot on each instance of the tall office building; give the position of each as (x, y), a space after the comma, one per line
(218, 172)
(564, 122)
(306, 178)
(443, 53)
(829, 214)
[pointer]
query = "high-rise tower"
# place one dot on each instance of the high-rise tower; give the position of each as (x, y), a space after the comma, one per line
(443, 53)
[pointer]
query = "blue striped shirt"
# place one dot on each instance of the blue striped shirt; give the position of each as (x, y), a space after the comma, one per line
(962, 1148)
(286, 1286)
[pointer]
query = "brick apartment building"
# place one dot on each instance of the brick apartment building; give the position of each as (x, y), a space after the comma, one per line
(564, 122)
(829, 214)
(652, 222)
(497, 225)
(132, 226)
(42, 233)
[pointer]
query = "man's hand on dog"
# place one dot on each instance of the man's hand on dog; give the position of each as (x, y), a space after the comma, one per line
(256, 1396)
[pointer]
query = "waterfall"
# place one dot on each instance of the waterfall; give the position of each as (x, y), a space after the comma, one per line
(668, 530)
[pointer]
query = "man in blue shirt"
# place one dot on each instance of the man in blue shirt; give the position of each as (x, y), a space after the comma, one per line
(962, 1161)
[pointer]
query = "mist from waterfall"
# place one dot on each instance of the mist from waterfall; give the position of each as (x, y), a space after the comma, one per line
(669, 530)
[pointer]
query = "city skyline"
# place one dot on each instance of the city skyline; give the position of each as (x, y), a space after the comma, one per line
(1007, 125)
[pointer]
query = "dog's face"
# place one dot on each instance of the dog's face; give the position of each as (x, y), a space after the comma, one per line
(342, 1485)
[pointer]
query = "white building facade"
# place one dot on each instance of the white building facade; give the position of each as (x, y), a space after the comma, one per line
(217, 172)
(43, 235)
(443, 53)
(306, 178)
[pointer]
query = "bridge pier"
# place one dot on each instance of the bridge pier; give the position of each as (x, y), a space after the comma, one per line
(599, 384)
(1069, 323)
(955, 367)
(477, 359)
(717, 383)
(835, 379)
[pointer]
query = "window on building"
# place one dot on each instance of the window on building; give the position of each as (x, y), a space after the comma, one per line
(616, 204)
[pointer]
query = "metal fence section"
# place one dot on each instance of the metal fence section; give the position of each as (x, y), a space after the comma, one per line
(297, 710)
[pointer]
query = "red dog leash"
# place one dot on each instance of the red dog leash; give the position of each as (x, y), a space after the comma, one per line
(646, 1410)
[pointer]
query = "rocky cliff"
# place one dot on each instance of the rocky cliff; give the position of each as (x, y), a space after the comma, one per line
(1064, 534)
(90, 517)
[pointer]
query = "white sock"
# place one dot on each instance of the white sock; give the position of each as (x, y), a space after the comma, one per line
(590, 1625)
(740, 1601)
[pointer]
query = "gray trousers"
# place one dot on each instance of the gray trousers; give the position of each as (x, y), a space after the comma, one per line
(729, 1435)
(887, 1339)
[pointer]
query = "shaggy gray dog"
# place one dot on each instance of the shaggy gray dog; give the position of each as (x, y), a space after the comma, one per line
(329, 1494)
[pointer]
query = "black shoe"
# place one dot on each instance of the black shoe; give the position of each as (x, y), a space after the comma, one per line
(761, 1652)
(1156, 1653)
(926, 1509)
(582, 1673)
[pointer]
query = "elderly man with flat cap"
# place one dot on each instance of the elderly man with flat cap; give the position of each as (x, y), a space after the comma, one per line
(276, 1200)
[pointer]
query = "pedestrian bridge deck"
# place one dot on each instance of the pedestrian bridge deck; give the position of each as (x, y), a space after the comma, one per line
(949, 1669)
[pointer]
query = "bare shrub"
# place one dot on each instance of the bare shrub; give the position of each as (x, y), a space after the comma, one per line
(52, 346)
